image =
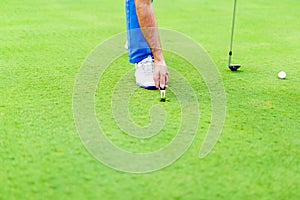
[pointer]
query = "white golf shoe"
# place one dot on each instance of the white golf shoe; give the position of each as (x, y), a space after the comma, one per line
(144, 71)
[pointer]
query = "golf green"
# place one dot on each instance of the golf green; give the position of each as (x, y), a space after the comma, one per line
(43, 45)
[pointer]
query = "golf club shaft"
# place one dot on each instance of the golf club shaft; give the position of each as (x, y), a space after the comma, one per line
(232, 32)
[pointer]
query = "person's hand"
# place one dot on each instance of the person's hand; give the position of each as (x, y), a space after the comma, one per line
(161, 76)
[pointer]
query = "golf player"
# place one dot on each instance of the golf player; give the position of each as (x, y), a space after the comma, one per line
(144, 48)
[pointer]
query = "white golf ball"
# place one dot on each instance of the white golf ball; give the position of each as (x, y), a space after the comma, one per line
(281, 74)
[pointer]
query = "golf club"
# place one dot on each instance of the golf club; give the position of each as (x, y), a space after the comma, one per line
(232, 67)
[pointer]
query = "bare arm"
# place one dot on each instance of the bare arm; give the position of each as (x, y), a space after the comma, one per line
(149, 29)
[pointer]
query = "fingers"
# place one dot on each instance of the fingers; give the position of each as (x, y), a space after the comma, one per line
(156, 78)
(162, 81)
(161, 77)
(167, 79)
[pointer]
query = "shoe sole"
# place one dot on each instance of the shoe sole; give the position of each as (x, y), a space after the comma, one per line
(149, 87)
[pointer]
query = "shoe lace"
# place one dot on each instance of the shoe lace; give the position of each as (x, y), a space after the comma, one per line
(147, 66)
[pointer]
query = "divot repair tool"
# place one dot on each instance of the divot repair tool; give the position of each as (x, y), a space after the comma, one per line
(162, 94)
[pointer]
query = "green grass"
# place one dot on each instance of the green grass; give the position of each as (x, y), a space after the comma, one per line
(42, 46)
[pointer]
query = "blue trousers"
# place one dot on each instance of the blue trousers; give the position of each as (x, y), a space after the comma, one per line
(138, 48)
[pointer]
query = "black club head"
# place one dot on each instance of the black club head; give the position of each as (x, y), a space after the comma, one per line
(234, 67)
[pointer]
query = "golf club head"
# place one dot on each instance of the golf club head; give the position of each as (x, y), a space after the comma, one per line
(234, 67)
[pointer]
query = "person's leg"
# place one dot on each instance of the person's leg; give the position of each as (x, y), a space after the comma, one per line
(139, 52)
(147, 22)
(144, 45)
(138, 48)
